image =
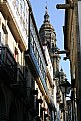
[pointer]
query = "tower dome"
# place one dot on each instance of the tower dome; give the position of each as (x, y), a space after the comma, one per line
(47, 31)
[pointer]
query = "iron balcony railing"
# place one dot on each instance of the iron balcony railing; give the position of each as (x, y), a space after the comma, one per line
(20, 86)
(35, 56)
(8, 65)
(32, 102)
(21, 79)
(10, 73)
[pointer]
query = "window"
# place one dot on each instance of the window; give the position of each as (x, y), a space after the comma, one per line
(16, 54)
(32, 83)
(24, 9)
(21, 58)
(21, 7)
(3, 37)
(17, 3)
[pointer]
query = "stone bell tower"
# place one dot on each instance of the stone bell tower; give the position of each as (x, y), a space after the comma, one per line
(48, 38)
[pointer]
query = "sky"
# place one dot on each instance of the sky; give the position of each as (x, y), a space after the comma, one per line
(57, 21)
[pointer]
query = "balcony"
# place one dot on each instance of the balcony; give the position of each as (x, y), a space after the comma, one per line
(10, 73)
(20, 86)
(30, 100)
(36, 63)
(29, 57)
(8, 66)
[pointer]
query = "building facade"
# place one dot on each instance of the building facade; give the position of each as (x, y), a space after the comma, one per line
(26, 74)
(12, 46)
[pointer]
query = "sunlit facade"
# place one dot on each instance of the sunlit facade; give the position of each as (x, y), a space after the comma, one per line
(13, 43)
(26, 79)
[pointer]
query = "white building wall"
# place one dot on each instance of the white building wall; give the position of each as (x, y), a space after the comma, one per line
(10, 41)
(19, 11)
(20, 14)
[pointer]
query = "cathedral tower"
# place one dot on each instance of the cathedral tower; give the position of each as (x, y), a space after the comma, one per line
(48, 38)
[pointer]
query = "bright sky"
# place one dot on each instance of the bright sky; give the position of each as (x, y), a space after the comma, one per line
(57, 21)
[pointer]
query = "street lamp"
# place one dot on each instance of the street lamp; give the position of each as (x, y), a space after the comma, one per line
(65, 87)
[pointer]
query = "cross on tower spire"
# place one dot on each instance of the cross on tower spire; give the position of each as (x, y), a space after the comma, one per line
(46, 16)
(46, 6)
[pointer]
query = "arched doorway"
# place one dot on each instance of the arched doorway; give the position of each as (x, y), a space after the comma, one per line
(2, 106)
(13, 116)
